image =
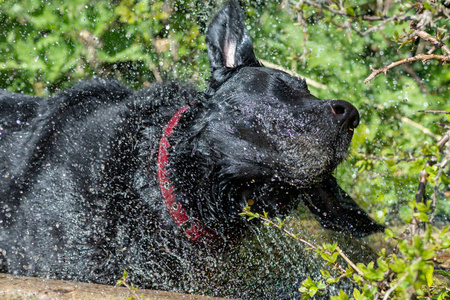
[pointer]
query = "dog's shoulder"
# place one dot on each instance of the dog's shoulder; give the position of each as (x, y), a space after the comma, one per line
(157, 102)
(92, 94)
(162, 100)
(16, 109)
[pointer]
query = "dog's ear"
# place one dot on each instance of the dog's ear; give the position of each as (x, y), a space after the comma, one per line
(228, 42)
(336, 210)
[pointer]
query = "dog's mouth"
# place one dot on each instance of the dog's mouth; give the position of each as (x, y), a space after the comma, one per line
(305, 168)
(306, 182)
(303, 178)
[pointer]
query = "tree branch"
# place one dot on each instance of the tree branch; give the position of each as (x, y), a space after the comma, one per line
(438, 44)
(342, 12)
(422, 57)
(308, 81)
(435, 111)
(401, 17)
(342, 254)
(420, 127)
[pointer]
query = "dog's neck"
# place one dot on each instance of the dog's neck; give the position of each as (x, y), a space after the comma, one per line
(193, 228)
(193, 189)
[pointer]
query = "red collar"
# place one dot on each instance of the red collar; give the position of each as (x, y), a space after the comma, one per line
(192, 227)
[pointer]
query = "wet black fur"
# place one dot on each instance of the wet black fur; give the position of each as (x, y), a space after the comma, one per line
(78, 184)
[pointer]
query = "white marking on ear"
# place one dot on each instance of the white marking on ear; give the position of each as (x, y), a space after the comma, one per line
(229, 50)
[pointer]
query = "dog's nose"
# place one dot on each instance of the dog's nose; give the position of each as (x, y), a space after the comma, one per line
(345, 113)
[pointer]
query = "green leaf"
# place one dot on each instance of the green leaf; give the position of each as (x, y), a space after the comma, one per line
(429, 275)
(342, 296)
(421, 216)
(312, 291)
(332, 280)
(428, 254)
(387, 152)
(422, 207)
(445, 243)
(331, 247)
(334, 257)
(350, 11)
(442, 295)
(396, 35)
(398, 266)
(389, 233)
(382, 265)
(308, 282)
(325, 274)
(325, 256)
(362, 267)
(405, 213)
(321, 286)
(349, 272)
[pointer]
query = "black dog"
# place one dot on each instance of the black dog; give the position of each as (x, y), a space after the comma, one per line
(101, 178)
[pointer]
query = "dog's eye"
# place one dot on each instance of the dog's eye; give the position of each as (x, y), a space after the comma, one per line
(253, 132)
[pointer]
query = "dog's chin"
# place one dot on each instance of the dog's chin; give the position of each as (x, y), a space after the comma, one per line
(311, 176)
(302, 181)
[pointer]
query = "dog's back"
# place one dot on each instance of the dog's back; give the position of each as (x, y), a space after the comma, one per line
(69, 163)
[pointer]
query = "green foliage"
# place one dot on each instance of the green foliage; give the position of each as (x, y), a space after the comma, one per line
(402, 275)
(310, 288)
(45, 45)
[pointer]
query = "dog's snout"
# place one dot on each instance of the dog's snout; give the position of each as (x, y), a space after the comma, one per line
(345, 113)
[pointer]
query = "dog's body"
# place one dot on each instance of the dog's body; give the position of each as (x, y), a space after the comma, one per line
(101, 178)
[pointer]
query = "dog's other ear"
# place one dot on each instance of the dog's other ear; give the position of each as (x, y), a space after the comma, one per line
(336, 210)
(228, 42)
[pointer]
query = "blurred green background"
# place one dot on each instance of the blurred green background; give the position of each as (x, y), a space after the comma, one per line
(46, 46)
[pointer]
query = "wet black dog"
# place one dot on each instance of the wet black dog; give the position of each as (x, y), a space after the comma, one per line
(101, 178)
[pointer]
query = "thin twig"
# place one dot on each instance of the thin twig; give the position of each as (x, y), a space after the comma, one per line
(386, 296)
(422, 57)
(421, 194)
(408, 69)
(292, 73)
(155, 73)
(401, 17)
(343, 12)
(435, 111)
(420, 127)
(131, 290)
(442, 142)
(342, 254)
(287, 232)
(427, 37)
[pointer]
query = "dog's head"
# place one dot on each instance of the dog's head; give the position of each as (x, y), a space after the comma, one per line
(283, 130)
(261, 135)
